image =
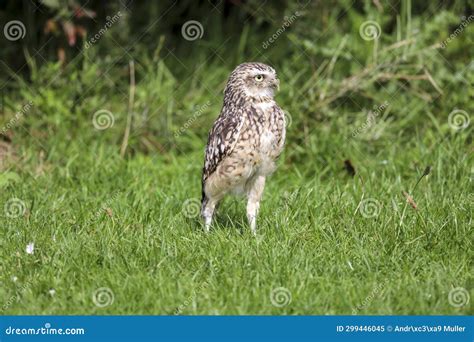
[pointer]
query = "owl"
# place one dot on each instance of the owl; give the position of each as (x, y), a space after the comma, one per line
(245, 141)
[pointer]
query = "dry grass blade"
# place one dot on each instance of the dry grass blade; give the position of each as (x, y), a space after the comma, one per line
(131, 98)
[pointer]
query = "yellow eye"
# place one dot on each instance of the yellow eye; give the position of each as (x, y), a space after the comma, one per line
(259, 78)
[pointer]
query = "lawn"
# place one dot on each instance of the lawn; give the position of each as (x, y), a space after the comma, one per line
(369, 212)
(98, 221)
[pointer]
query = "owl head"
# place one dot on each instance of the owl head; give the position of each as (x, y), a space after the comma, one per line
(254, 80)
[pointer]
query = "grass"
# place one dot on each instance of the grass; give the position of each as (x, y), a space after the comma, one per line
(329, 241)
(100, 221)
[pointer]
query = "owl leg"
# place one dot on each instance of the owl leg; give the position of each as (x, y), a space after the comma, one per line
(253, 204)
(207, 211)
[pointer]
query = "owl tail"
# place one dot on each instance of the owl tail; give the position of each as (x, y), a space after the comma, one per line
(204, 199)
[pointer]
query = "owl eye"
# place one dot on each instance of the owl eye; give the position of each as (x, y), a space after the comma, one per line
(259, 78)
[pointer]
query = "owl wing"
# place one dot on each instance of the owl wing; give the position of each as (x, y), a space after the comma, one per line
(222, 138)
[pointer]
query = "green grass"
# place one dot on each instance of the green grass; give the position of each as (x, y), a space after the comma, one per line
(312, 239)
(99, 220)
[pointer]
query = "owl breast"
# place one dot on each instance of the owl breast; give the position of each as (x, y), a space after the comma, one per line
(271, 128)
(268, 143)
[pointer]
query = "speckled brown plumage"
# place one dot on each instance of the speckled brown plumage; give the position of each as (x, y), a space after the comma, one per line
(245, 140)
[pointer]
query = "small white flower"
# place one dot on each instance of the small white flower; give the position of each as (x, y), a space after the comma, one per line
(52, 292)
(30, 248)
(14, 279)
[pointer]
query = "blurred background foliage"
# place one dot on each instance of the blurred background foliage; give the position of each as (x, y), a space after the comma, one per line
(331, 77)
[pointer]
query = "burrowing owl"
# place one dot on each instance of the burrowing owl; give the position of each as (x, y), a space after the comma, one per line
(245, 141)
